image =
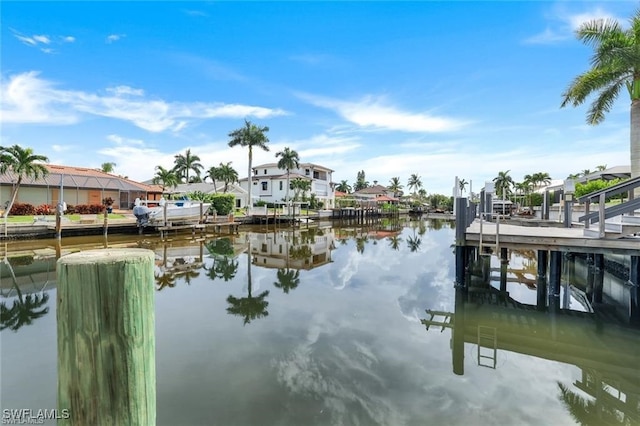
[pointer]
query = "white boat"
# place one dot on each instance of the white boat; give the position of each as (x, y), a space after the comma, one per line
(178, 211)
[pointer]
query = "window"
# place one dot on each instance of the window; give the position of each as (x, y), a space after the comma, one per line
(316, 175)
(265, 171)
(280, 185)
(306, 172)
(264, 185)
(238, 203)
(255, 183)
(255, 172)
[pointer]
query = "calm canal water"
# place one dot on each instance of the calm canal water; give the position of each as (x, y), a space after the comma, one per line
(329, 327)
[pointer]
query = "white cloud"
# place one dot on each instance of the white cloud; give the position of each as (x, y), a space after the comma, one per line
(125, 90)
(31, 99)
(114, 37)
(563, 24)
(373, 113)
(42, 40)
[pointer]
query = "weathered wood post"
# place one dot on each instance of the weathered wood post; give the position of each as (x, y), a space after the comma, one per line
(106, 337)
(457, 348)
(105, 225)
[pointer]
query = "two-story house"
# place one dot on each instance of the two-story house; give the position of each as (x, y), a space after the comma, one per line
(270, 183)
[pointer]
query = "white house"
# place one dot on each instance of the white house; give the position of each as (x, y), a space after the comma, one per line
(269, 183)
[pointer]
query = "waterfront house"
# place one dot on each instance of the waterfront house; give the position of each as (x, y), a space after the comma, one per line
(269, 183)
(79, 185)
(372, 192)
(289, 249)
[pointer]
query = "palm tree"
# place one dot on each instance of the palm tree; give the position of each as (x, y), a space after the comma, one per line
(615, 65)
(24, 164)
(185, 163)
(300, 185)
(165, 178)
(167, 279)
(503, 183)
(463, 185)
(107, 167)
(344, 187)
(250, 136)
(361, 181)
(227, 174)
(415, 183)
(541, 178)
(226, 268)
(288, 279)
(601, 167)
(290, 160)
(395, 185)
(574, 176)
(586, 172)
(213, 173)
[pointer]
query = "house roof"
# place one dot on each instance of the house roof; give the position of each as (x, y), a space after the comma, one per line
(340, 194)
(385, 198)
(207, 188)
(375, 189)
(80, 177)
(611, 173)
(302, 166)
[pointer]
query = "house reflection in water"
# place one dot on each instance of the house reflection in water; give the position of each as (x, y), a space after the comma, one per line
(292, 248)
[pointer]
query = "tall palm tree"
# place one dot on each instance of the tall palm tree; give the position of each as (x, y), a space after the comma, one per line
(290, 160)
(250, 136)
(414, 242)
(24, 164)
(601, 167)
(615, 65)
(344, 186)
(414, 183)
(185, 163)
(227, 174)
(586, 172)
(107, 167)
(503, 183)
(395, 185)
(165, 178)
(574, 176)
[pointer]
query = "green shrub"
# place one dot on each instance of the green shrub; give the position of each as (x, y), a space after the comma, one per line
(596, 185)
(222, 203)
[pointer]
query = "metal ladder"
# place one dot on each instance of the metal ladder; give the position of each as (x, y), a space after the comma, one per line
(487, 339)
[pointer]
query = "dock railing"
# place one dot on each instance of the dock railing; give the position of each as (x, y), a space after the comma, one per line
(605, 213)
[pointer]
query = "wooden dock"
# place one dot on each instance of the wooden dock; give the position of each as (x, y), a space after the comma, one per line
(546, 238)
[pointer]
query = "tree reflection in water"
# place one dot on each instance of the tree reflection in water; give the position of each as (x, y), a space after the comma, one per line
(394, 242)
(23, 311)
(250, 307)
(288, 279)
(586, 412)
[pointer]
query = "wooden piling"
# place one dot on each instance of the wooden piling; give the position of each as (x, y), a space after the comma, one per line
(106, 337)
(555, 272)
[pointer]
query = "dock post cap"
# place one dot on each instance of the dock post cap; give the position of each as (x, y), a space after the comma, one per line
(107, 256)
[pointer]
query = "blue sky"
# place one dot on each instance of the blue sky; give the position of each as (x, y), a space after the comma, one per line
(441, 89)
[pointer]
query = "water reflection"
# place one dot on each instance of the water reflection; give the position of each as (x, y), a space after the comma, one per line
(25, 308)
(488, 320)
(312, 330)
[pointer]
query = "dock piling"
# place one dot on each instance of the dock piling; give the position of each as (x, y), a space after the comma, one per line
(106, 337)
